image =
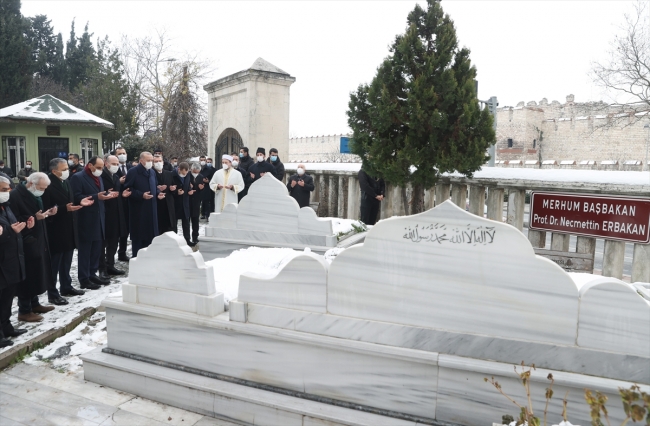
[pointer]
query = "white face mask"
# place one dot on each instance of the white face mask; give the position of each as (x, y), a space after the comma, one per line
(97, 172)
(65, 175)
(195, 175)
(36, 192)
(28, 166)
(148, 165)
(122, 158)
(225, 166)
(113, 169)
(301, 171)
(260, 158)
(182, 175)
(203, 163)
(4, 197)
(235, 163)
(158, 166)
(70, 163)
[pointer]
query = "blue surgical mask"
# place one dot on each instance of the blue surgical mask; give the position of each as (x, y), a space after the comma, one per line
(274, 158)
(241, 155)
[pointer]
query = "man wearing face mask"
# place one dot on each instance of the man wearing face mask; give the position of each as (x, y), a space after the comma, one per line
(143, 213)
(372, 193)
(207, 196)
(115, 226)
(91, 221)
(174, 162)
(73, 163)
(197, 185)
(12, 266)
(300, 186)
(23, 174)
(61, 231)
(226, 184)
(274, 159)
(182, 199)
(27, 206)
(261, 167)
(166, 165)
(244, 174)
(245, 159)
(123, 168)
(165, 206)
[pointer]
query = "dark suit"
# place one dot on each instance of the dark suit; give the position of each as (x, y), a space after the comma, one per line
(12, 266)
(166, 210)
(301, 193)
(38, 265)
(61, 233)
(143, 215)
(91, 222)
(247, 181)
(207, 195)
(182, 203)
(115, 226)
(195, 204)
(124, 168)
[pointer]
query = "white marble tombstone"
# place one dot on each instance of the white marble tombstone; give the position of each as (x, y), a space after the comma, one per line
(268, 214)
(451, 270)
(169, 275)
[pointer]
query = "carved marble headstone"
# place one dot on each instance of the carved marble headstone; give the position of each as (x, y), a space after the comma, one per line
(170, 275)
(451, 270)
(268, 214)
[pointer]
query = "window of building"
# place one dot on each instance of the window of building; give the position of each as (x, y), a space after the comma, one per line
(89, 148)
(13, 150)
(509, 143)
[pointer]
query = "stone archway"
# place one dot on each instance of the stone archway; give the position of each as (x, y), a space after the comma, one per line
(229, 141)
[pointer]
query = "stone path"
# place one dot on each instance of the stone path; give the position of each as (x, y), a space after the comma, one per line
(39, 395)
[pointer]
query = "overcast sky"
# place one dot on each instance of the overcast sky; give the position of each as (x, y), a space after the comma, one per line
(523, 50)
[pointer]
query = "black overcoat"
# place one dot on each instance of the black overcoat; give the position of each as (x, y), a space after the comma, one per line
(195, 199)
(207, 173)
(61, 228)
(38, 265)
(91, 220)
(166, 205)
(12, 261)
(114, 209)
(125, 201)
(181, 202)
(143, 214)
(301, 193)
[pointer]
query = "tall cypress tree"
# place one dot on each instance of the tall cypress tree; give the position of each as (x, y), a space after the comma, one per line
(59, 67)
(421, 108)
(15, 54)
(43, 42)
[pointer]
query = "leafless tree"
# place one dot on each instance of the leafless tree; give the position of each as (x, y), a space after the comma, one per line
(626, 72)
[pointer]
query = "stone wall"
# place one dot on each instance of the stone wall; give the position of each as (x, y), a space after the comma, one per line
(319, 149)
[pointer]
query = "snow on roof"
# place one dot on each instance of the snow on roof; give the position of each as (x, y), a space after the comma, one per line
(263, 65)
(49, 108)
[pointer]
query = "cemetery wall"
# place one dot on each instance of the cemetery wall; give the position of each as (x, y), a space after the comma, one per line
(319, 149)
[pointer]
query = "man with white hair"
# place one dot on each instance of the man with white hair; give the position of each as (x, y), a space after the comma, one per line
(27, 206)
(226, 184)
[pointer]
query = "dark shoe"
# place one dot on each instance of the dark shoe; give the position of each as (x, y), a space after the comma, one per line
(123, 258)
(17, 332)
(88, 285)
(40, 309)
(5, 342)
(111, 270)
(58, 301)
(73, 292)
(30, 317)
(202, 218)
(99, 280)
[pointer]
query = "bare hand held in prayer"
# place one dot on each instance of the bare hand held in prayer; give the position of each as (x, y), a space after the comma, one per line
(192, 192)
(207, 181)
(293, 183)
(52, 211)
(219, 186)
(40, 215)
(31, 222)
(230, 187)
(123, 179)
(126, 192)
(181, 192)
(172, 188)
(103, 196)
(262, 174)
(379, 197)
(18, 226)
(147, 195)
(201, 186)
(72, 208)
(301, 182)
(88, 201)
(161, 195)
(252, 176)
(162, 187)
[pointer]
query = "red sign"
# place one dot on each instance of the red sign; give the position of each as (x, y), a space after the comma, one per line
(613, 218)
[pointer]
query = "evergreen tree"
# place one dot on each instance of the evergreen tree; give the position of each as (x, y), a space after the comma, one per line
(43, 43)
(421, 108)
(59, 69)
(15, 54)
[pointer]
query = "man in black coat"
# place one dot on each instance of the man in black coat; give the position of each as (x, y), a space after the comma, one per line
(91, 221)
(27, 206)
(12, 263)
(115, 226)
(182, 199)
(73, 163)
(197, 186)
(236, 164)
(6, 170)
(166, 164)
(274, 159)
(207, 195)
(300, 186)
(143, 214)
(61, 229)
(125, 166)
(165, 207)
(372, 193)
(245, 159)
(260, 168)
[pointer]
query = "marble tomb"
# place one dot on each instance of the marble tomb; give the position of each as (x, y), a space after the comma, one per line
(401, 329)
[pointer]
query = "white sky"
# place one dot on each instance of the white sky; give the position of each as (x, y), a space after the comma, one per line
(523, 50)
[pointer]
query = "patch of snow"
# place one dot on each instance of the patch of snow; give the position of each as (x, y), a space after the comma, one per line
(343, 226)
(47, 107)
(331, 254)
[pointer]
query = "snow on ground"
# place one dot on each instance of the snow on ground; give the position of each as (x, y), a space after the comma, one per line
(343, 226)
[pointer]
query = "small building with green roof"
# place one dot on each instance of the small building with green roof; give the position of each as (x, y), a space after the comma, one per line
(45, 127)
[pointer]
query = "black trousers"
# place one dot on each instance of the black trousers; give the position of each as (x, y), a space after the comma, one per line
(207, 207)
(6, 300)
(122, 250)
(136, 245)
(369, 210)
(88, 255)
(195, 228)
(185, 225)
(109, 249)
(61, 264)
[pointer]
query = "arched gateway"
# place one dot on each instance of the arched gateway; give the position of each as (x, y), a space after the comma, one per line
(249, 108)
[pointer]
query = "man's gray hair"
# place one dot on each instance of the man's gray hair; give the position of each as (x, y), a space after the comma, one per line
(35, 178)
(54, 163)
(196, 166)
(5, 180)
(144, 154)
